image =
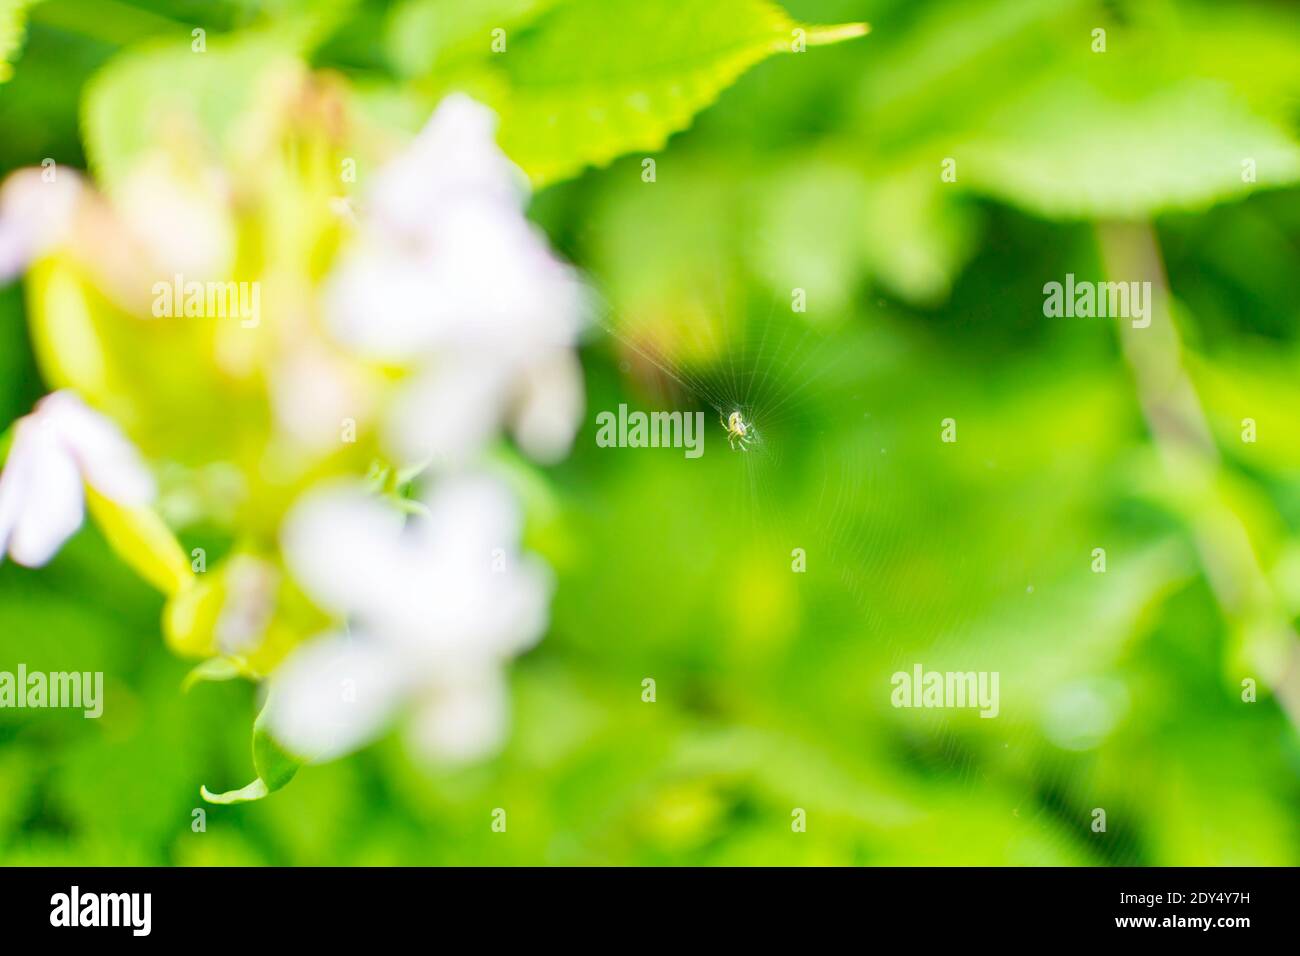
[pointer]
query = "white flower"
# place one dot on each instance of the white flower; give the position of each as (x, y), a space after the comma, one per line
(550, 401)
(56, 448)
(450, 277)
(436, 607)
(453, 160)
(450, 410)
(35, 214)
(480, 275)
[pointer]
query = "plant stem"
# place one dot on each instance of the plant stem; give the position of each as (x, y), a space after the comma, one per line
(1185, 444)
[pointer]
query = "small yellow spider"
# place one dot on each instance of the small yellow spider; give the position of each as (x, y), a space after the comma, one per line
(738, 431)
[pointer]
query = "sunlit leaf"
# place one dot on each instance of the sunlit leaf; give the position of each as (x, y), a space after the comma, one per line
(593, 79)
(424, 34)
(143, 541)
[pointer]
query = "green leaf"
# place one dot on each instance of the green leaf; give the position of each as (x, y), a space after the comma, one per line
(824, 221)
(274, 765)
(254, 791)
(13, 30)
(1071, 149)
(142, 94)
(423, 35)
(593, 79)
(214, 669)
(929, 237)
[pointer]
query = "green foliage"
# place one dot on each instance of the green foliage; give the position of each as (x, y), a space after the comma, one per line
(13, 15)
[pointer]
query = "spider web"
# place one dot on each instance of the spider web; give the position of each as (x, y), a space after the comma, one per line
(798, 388)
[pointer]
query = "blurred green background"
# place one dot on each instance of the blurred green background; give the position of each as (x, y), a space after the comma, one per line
(819, 171)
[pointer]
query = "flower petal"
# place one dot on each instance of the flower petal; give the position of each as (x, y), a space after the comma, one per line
(450, 412)
(34, 215)
(45, 501)
(454, 158)
(469, 516)
(332, 696)
(378, 302)
(462, 721)
(493, 280)
(343, 546)
(108, 460)
(550, 407)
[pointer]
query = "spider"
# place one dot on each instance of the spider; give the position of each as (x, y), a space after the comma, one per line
(739, 431)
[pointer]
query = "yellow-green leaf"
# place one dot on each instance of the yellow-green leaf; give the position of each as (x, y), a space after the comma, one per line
(591, 80)
(141, 539)
(67, 343)
(214, 669)
(190, 617)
